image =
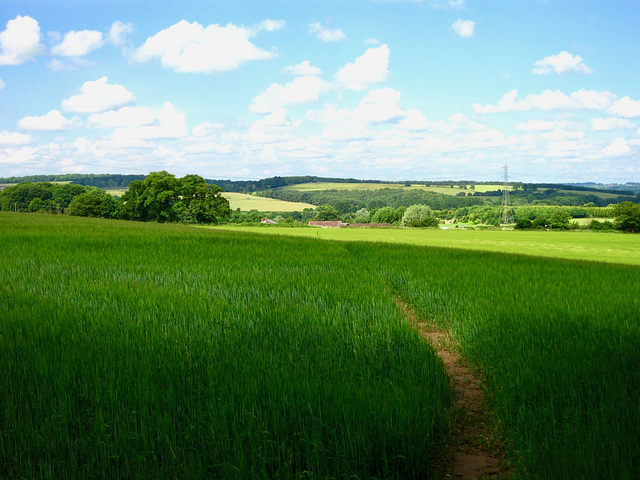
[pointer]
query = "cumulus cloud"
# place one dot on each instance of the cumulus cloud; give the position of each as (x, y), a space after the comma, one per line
(305, 89)
(561, 64)
(270, 25)
(20, 41)
(98, 96)
(464, 28)
(549, 100)
(123, 117)
(536, 126)
(52, 121)
(370, 68)
(326, 34)
(611, 123)
(191, 48)
(304, 68)
(77, 44)
(273, 128)
(617, 148)
(625, 107)
(14, 138)
(119, 32)
(379, 106)
(168, 124)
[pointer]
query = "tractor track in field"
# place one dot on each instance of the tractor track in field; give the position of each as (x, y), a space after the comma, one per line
(473, 451)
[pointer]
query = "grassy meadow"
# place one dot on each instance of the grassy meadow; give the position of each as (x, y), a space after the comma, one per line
(163, 351)
(610, 247)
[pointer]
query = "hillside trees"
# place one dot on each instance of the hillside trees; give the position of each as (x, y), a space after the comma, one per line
(161, 197)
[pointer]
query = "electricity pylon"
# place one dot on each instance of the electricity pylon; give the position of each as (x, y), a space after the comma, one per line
(506, 214)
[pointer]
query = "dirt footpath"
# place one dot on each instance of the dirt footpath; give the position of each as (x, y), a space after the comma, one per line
(473, 452)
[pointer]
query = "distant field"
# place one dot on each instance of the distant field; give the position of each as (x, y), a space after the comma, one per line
(310, 187)
(251, 202)
(116, 192)
(593, 246)
(247, 202)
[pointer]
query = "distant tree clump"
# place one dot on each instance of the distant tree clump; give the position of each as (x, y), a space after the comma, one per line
(419, 216)
(326, 213)
(161, 197)
(627, 217)
(388, 215)
(560, 220)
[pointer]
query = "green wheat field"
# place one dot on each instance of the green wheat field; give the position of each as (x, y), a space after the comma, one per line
(134, 350)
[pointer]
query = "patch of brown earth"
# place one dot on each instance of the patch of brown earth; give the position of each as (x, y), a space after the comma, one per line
(473, 452)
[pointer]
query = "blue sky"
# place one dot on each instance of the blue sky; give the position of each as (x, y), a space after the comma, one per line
(371, 89)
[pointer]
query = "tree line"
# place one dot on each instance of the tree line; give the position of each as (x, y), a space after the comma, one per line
(159, 197)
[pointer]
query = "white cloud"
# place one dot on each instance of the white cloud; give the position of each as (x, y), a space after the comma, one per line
(124, 117)
(169, 124)
(625, 107)
(536, 126)
(561, 64)
(77, 44)
(304, 68)
(2, 84)
(20, 41)
(376, 108)
(270, 25)
(464, 28)
(326, 34)
(52, 121)
(205, 129)
(414, 120)
(379, 106)
(549, 100)
(119, 32)
(98, 96)
(14, 138)
(273, 128)
(370, 68)
(191, 48)
(305, 89)
(453, 4)
(611, 123)
(617, 148)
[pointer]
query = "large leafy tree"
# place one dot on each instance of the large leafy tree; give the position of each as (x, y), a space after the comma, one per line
(93, 203)
(161, 197)
(200, 202)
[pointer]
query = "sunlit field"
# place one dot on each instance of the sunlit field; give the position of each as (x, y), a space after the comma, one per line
(308, 187)
(135, 350)
(612, 247)
(247, 203)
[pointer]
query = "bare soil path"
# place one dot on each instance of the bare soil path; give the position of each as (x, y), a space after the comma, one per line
(474, 451)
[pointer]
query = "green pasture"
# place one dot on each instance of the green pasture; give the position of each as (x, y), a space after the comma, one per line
(247, 203)
(607, 247)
